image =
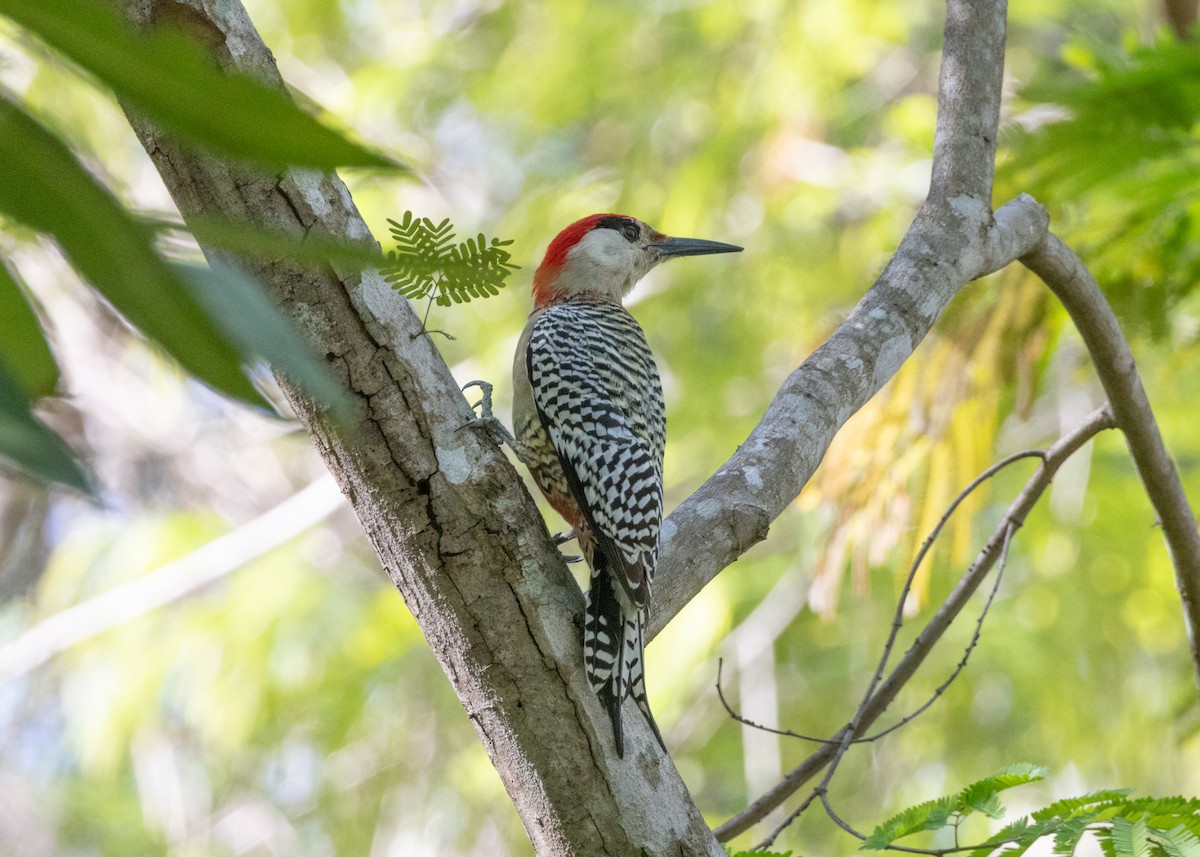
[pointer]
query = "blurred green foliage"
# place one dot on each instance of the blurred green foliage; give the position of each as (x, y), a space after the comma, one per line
(293, 708)
(197, 316)
(1109, 139)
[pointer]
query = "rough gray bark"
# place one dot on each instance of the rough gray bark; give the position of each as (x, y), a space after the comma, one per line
(451, 521)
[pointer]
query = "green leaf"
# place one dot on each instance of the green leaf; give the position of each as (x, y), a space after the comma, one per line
(1021, 833)
(258, 242)
(931, 815)
(168, 76)
(28, 446)
(236, 303)
(981, 796)
(426, 264)
(23, 345)
(47, 189)
(1177, 842)
(1084, 804)
(1129, 838)
(1069, 832)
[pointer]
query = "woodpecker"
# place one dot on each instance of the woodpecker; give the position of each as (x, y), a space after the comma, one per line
(590, 424)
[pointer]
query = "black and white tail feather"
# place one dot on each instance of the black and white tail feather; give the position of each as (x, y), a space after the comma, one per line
(613, 649)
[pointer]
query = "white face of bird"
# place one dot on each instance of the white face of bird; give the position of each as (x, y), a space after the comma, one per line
(609, 260)
(606, 255)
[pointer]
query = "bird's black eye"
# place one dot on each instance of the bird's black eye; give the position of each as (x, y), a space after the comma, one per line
(627, 226)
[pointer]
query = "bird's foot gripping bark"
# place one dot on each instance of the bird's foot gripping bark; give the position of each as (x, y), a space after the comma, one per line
(562, 539)
(486, 419)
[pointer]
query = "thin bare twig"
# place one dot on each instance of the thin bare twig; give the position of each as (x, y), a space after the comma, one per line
(822, 790)
(745, 721)
(1009, 530)
(898, 618)
(886, 692)
(1073, 284)
(962, 664)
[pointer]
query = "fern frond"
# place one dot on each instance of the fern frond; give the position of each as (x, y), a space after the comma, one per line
(931, 815)
(982, 797)
(1069, 832)
(1072, 806)
(1128, 838)
(1177, 842)
(1021, 834)
(427, 263)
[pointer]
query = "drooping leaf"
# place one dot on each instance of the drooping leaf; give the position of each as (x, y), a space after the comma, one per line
(46, 188)
(1087, 804)
(1069, 831)
(982, 797)
(27, 446)
(23, 345)
(1022, 833)
(1129, 838)
(1177, 842)
(167, 76)
(1120, 146)
(259, 242)
(931, 815)
(238, 306)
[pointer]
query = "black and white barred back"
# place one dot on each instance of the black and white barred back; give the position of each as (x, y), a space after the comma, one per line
(598, 395)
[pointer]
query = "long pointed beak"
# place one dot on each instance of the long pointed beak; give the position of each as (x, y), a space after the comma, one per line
(669, 247)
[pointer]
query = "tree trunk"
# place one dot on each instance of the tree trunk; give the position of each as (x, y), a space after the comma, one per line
(450, 519)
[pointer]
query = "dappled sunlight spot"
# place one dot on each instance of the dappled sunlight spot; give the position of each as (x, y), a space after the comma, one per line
(248, 826)
(1109, 574)
(174, 795)
(992, 701)
(98, 725)
(684, 647)
(1059, 554)
(1154, 620)
(1038, 607)
(388, 629)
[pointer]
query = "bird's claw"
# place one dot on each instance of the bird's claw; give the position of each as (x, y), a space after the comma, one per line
(562, 539)
(486, 419)
(485, 403)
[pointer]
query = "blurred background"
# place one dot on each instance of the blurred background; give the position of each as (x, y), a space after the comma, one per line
(180, 675)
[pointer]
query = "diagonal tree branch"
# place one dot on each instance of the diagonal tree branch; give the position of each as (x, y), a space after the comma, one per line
(876, 703)
(953, 240)
(1073, 284)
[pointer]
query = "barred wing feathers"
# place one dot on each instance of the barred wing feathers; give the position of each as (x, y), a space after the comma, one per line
(598, 395)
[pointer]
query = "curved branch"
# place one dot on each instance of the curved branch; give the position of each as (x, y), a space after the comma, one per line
(732, 510)
(1073, 284)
